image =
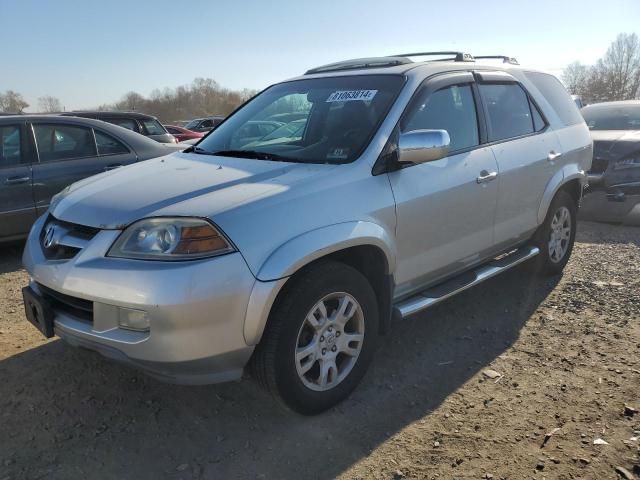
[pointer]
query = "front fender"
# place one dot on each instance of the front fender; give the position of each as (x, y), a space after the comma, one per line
(305, 248)
(561, 177)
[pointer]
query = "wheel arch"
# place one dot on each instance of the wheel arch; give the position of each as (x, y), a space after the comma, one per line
(571, 179)
(365, 246)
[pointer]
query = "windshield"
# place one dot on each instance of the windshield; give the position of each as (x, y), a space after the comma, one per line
(321, 120)
(193, 123)
(622, 117)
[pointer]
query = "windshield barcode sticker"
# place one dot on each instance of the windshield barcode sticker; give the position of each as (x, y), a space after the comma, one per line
(351, 95)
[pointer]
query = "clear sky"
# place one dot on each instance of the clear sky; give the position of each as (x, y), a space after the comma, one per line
(89, 52)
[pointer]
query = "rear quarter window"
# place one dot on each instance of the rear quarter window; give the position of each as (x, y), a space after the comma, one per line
(557, 96)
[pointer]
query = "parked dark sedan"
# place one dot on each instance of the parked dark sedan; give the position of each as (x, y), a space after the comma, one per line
(615, 172)
(41, 154)
(136, 122)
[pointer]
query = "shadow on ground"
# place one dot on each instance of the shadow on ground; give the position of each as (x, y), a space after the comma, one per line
(69, 413)
(11, 257)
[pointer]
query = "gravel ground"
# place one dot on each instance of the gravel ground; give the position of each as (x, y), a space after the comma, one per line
(517, 378)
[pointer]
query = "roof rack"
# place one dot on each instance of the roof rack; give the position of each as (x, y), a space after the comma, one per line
(359, 63)
(457, 56)
(504, 58)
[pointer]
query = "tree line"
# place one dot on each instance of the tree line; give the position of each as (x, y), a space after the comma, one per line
(616, 76)
(203, 97)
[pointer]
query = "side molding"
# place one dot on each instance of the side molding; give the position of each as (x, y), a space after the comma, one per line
(301, 250)
(561, 177)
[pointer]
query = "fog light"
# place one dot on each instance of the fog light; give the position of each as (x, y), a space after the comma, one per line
(130, 319)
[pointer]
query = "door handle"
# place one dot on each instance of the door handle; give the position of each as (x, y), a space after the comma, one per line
(17, 180)
(486, 176)
(553, 155)
(112, 167)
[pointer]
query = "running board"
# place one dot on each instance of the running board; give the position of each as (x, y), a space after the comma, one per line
(466, 280)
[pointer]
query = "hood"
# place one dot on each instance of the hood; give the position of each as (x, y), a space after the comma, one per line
(181, 184)
(613, 144)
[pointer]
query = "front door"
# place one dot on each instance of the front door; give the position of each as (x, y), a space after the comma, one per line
(17, 211)
(445, 208)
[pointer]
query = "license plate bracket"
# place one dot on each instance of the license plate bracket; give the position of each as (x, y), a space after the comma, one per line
(38, 311)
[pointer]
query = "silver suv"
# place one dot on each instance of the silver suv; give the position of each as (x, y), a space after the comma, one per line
(410, 182)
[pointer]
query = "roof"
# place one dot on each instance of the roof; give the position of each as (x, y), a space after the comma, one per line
(108, 114)
(619, 103)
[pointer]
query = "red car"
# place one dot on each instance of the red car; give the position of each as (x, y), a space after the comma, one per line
(183, 134)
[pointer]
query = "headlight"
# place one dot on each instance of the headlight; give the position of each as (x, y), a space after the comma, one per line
(170, 239)
(632, 162)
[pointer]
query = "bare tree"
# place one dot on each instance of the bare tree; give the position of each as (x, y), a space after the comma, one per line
(12, 102)
(576, 77)
(49, 104)
(616, 76)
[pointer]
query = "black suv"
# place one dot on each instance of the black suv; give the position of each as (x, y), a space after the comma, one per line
(137, 122)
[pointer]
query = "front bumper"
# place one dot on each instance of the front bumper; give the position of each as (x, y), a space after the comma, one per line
(196, 309)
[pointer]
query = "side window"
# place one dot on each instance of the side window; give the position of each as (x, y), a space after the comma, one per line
(10, 146)
(508, 110)
(451, 109)
(557, 96)
(127, 123)
(107, 145)
(63, 142)
(538, 121)
(206, 124)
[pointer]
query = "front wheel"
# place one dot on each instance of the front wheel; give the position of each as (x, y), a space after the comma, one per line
(320, 338)
(556, 236)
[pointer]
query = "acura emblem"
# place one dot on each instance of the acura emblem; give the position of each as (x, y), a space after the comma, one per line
(49, 236)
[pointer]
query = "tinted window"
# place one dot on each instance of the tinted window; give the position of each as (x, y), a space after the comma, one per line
(153, 127)
(206, 124)
(451, 109)
(557, 96)
(508, 110)
(107, 145)
(173, 131)
(127, 123)
(192, 124)
(612, 117)
(60, 142)
(10, 153)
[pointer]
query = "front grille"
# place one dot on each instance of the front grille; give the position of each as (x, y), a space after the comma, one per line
(599, 165)
(77, 307)
(62, 240)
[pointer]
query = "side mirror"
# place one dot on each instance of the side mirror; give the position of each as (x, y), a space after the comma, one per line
(420, 146)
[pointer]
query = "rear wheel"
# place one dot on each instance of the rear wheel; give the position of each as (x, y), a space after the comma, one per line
(320, 338)
(555, 237)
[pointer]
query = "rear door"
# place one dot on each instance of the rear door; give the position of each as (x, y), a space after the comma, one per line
(69, 152)
(526, 151)
(445, 208)
(17, 209)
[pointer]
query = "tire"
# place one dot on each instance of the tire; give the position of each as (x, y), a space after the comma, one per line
(555, 237)
(298, 326)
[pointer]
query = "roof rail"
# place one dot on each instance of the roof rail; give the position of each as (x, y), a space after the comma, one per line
(504, 58)
(458, 56)
(359, 63)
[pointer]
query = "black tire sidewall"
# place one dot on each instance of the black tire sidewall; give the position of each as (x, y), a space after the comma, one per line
(316, 284)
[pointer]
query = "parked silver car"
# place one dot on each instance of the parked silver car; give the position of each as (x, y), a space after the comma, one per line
(410, 182)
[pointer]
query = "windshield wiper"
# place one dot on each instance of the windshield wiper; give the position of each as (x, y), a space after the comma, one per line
(252, 154)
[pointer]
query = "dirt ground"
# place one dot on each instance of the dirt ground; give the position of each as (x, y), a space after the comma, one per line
(564, 355)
